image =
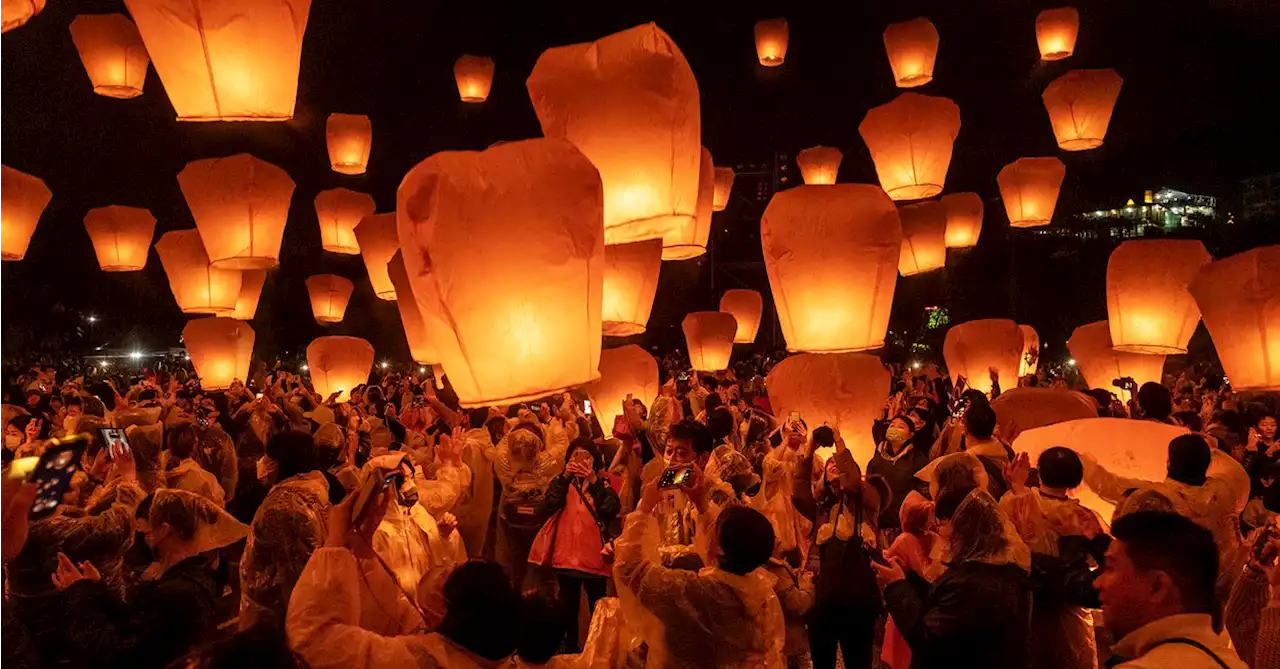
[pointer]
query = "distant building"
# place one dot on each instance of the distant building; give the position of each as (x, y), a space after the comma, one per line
(758, 181)
(1163, 210)
(1260, 196)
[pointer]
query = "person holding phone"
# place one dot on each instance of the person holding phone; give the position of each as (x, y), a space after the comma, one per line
(1261, 451)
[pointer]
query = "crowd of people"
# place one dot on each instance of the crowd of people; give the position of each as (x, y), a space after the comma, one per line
(387, 526)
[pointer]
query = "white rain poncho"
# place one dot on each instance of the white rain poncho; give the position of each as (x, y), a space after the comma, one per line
(790, 528)
(215, 528)
(477, 504)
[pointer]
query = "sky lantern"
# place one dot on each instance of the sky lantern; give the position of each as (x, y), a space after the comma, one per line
(220, 349)
(1056, 31)
(198, 287)
(723, 188)
(819, 165)
(251, 282)
(972, 348)
(771, 41)
(630, 103)
(474, 75)
(14, 13)
(509, 243)
(924, 238)
(1100, 364)
(416, 330)
(121, 236)
(1148, 305)
(910, 141)
(225, 60)
(1239, 297)
(709, 336)
(1029, 188)
(912, 47)
(112, 53)
(630, 282)
(690, 239)
(746, 306)
(626, 370)
(845, 391)
(1030, 351)
(338, 364)
(339, 211)
(22, 200)
(1080, 103)
(330, 294)
(832, 256)
(379, 240)
(349, 138)
(964, 219)
(241, 205)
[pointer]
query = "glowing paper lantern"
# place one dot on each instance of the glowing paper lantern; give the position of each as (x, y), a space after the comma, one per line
(972, 348)
(14, 13)
(1030, 351)
(349, 138)
(832, 256)
(1148, 306)
(1026, 408)
(220, 349)
(912, 47)
(339, 211)
(690, 240)
(1056, 31)
(924, 238)
(121, 236)
(379, 240)
(910, 141)
(198, 286)
(329, 296)
(22, 200)
(630, 103)
(416, 329)
(509, 243)
(964, 219)
(1240, 299)
(709, 336)
(819, 165)
(1029, 188)
(251, 283)
(1080, 103)
(845, 391)
(771, 41)
(630, 282)
(225, 60)
(723, 188)
(1100, 364)
(112, 53)
(746, 306)
(626, 370)
(241, 205)
(474, 75)
(338, 364)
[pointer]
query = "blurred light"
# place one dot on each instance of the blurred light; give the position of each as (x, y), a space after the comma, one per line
(1071, 362)
(92, 318)
(105, 364)
(304, 368)
(915, 365)
(186, 356)
(136, 355)
(422, 370)
(384, 364)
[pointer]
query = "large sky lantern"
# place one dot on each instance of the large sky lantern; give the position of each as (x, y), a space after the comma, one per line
(1148, 305)
(723, 188)
(22, 200)
(964, 219)
(844, 391)
(1239, 297)
(690, 240)
(1056, 32)
(198, 286)
(379, 240)
(746, 306)
(240, 205)
(509, 243)
(912, 47)
(474, 75)
(220, 349)
(972, 348)
(924, 238)
(14, 13)
(630, 282)
(1080, 103)
(349, 138)
(709, 336)
(910, 141)
(416, 330)
(626, 370)
(339, 211)
(121, 236)
(251, 282)
(225, 60)
(630, 103)
(819, 165)
(1030, 351)
(112, 53)
(330, 294)
(1029, 188)
(832, 255)
(1100, 364)
(772, 36)
(337, 364)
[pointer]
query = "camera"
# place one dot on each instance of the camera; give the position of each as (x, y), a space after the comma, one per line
(1125, 383)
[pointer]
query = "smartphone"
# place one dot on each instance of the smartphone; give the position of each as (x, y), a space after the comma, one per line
(258, 396)
(116, 443)
(586, 407)
(675, 477)
(53, 472)
(877, 555)
(794, 417)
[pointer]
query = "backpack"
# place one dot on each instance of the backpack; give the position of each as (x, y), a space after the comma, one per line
(522, 502)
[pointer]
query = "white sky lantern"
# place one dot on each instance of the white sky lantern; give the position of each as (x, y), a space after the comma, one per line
(379, 240)
(626, 370)
(240, 205)
(121, 236)
(771, 41)
(1056, 32)
(251, 282)
(338, 364)
(198, 287)
(474, 75)
(723, 188)
(416, 329)
(112, 53)
(912, 47)
(746, 306)
(339, 211)
(964, 219)
(330, 294)
(690, 240)
(349, 138)
(819, 165)
(630, 282)
(843, 390)
(924, 238)
(14, 13)
(220, 349)
(1080, 103)
(709, 337)
(22, 201)
(1148, 305)
(1100, 364)
(1239, 297)
(972, 348)
(910, 139)
(1029, 188)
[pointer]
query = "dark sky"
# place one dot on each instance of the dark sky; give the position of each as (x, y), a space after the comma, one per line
(1198, 111)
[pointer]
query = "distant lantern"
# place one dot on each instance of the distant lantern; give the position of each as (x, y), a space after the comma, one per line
(198, 287)
(924, 238)
(819, 165)
(330, 294)
(1080, 103)
(416, 330)
(709, 336)
(1148, 305)
(1029, 188)
(1100, 364)
(1030, 351)
(771, 41)
(251, 282)
(964, 219)
(338, 364)
(973, 348)
(474, 75)
(220, 349)
(14, 13)
(1240, 299)
(690, 240)
(844, 391)
(339, 211)
(1056, 31)
(630, 282)
(723, 188)
(626, 370)
(746, 306)
(22, 200)
(241, 205)
(349, 138)
(910, 140)
(912, 47)
(832, 254)
(121, 236)
(379, 241)
(630, 103)
(509, 243)
(225, 60)
(112, 53)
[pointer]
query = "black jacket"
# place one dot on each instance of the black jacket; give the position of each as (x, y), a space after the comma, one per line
(900, 474)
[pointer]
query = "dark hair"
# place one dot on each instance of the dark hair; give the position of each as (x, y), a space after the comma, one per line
(483, 614)
(1189, 459)
(824, 436)
(542, 628)
(147, 394)
(720, 422)
(294, 451)
(73, 401)
(713, 400)
(1177, 546)
(1155, 401)
(477, 417)
(746, 539)
(1190, 420)
(695, 433)
(1103, 397)
(1259, 417)
(263, 646)
(181, 441)
(949, 501)
(396, 429)
(1060, 467)
(585, 444)
(980, 420)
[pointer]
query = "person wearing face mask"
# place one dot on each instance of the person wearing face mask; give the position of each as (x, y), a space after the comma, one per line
(896, 460)
(15, 433)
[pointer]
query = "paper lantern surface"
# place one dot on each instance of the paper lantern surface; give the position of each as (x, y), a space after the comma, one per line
(1148, 305)
(723, 188)
(240, 205)
(910, 140)
(1030, 363)
(330, 294)
(121, 236)
(924, 238)
(964, 219)
(709, 336)
(772, 36)
(746, 306)
(1029, 188)
(198, 287)
(338, 364)
(1080, 103)
(628, 101)
(112, 53)
(22, 200)
(626, 370)
(845, 391)
(474, 75)
(416, 329)
(912, 47)
(1239, 297)
(251, 283)
(1026, 408)
(1056, 32)
(349, 139)
(14, 13)
(819, 164)
(220, 349)
(1100, 364)
(339, 211)
(379, 240)
(630, 282)
(225, 60)
(831, 253)
(509, 243)
(972, 348)
(690, 240)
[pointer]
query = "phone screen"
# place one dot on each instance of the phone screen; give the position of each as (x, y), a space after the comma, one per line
(675, 477)
(586, 407)
(116, 443)
(53, 474)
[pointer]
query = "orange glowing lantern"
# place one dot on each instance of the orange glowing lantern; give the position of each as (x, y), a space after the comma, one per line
(630, 282)
(1030, 351)
(709, 336)
(378, 241)
(198, 286)
(416, 329)
(1240, 299)
(509, 243)
(121, 236)
(112, 53)
(1080, 103)
(924, 238)
(338, 364)
(339, 211)
(1029, 188)
(912, 47)
(14, 13)
(973, 348)
(771, 41)
(330, 294)
(626, 370)
(964, 219)
(475, 77)
(690, 239)
(746, 306)
(819, 165)
(251, 283)
(1148, 305)
(724, 186)
(229, 60)
(845, 391)
(220, 349)
(910, 140)
(349, 138)
(1056, 31)
(832, 256)
(22, 200)
(241, 205)
(1100, 364)
(630, 103)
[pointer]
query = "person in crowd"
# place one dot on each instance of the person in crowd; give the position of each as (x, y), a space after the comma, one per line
(15, 433)
(792, 530)
(1252, 615)
(896, 460)
(477, 501)
(796, 592)
(540, 632)
(180, 469)
(913, 549)
(524, 466)
(981, 442)
(1154, 403)
(683, 521)
(1262, 450)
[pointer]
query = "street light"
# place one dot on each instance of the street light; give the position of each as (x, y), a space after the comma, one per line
(92, 318)
(136, 355)
(384, 364)
(1071, 362)
(304, 368)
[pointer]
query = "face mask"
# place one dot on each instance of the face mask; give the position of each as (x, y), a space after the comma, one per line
(12, 441)
(896, 435)
(267, 469)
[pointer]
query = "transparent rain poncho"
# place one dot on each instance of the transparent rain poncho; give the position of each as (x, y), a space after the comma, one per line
(287, 528)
